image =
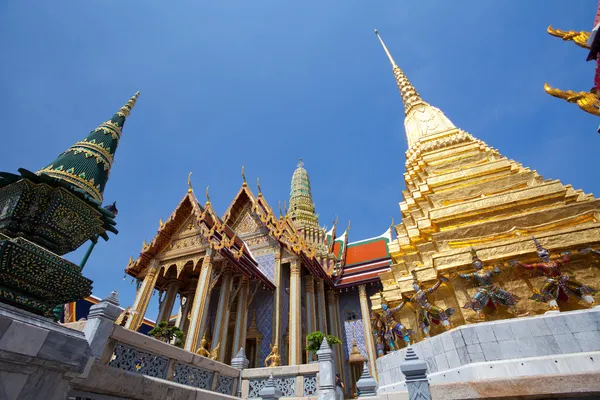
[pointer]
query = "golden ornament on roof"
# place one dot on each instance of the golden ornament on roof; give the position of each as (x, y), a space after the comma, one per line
(580, 38)
(587, 101)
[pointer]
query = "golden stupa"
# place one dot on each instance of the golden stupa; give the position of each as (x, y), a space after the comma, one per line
(460, 193)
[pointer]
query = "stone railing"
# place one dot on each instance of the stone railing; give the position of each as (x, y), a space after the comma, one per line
(134, 352)
(294, 381)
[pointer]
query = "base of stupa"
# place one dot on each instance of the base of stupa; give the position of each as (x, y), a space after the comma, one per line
(559, 345)
(34, 279)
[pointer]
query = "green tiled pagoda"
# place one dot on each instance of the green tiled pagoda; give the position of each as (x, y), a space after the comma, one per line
(53, 212)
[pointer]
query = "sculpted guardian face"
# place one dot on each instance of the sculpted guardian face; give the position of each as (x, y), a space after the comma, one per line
(544, 255)
(477, 264)
(416, 287)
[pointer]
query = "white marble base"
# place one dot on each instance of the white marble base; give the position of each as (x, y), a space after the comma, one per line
(557, 343)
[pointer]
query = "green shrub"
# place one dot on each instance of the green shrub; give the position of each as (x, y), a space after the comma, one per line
(315, 339)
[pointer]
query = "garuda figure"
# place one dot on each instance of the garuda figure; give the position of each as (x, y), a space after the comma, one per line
(488, 293)
(393, 328)
(557, 285)
(378, 329)
(427, 312)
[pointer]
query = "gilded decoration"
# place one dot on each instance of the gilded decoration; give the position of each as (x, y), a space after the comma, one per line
(460, 193)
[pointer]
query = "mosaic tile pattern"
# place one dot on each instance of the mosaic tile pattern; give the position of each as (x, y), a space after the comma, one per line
(285, 303)
(263, 303)
(266, 264)
(350, 301)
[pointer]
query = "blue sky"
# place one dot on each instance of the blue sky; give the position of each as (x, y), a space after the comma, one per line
(261, 83)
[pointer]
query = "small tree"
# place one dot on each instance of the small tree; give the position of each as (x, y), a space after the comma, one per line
(315, 339)
(167, 333)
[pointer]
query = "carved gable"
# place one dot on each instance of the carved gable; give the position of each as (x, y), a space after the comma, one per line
(188, 235)
(247, 222)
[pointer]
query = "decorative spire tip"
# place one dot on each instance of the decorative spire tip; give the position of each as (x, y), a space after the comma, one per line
(300, 163)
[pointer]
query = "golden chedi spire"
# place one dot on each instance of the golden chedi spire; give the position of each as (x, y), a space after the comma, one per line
(461, 193)
(302, 208)
(421, 119)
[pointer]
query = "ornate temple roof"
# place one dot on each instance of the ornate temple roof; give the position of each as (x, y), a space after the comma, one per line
(302, 208)
(218, 235)
(364, 260)
(86, 165)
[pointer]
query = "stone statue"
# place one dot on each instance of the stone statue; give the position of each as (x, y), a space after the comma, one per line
(393, 328)
(488, 293)
(273, 359)
(427, 312)
(378, 329)
(214, 355)
(557, 285)
(202, 350)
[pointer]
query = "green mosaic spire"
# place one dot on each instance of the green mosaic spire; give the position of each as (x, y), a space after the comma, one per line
(302, 208)
(86, 165)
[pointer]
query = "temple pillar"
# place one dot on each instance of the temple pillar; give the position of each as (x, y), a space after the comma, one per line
(167, 305)
(277, 301)
(241, 317)
(187, 306)
(257, 356)
(222, 311)
(311, 318)
(335, 327)
(366, 321)
(295, 336)
(321, 306)
(142, 297)
(198, 309)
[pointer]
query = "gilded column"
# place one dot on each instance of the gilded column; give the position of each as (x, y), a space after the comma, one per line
(142, 298)
(295, 346)
(167, 306)
(241, 317)
(277, 301)
(366, 320)
(218, 337)
(311, 318)
(321, 306)
(198, 309)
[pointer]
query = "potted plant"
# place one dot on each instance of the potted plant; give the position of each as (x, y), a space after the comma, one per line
(166, 333)
(315, 339)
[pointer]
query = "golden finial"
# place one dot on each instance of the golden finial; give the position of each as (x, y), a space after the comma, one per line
(144, 245)
(126, 109)
(392, 224)
(258, 185)
(207, 196)
(279, 206)
(385, 49)
(580, 38)
(190, 183)
(130, 260)
(300, 162)
(347, 229)
(285, 209)
(244, 177)
(160, 223)
(335, 221)
(587, 101)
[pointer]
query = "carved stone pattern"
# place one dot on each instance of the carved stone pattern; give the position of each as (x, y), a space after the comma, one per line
(134, 360)
(224, 385)
(193, 376)
(310, 385)
(418, 390)
(287, 385)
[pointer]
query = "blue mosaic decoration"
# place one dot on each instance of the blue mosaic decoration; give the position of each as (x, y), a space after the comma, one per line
(285, 311)
(263, 303)
(350, 304)
(266, 264)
